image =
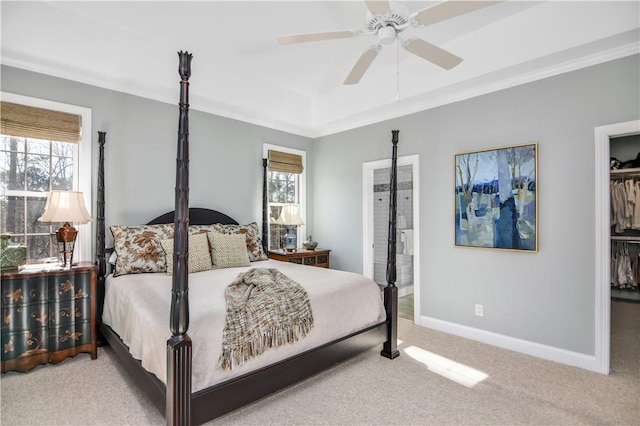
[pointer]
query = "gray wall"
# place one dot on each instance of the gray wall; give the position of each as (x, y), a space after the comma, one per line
(140, 151)
(546, 297)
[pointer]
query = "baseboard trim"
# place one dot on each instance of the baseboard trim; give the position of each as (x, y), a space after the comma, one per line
(551, 353)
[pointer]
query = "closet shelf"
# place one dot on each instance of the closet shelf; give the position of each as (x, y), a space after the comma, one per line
(624, 172)
(631, 239)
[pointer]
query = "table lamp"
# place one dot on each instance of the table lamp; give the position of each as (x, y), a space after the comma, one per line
(290, 218)
(67, 207)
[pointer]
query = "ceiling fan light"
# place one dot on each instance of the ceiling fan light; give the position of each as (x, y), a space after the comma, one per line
(386, 35)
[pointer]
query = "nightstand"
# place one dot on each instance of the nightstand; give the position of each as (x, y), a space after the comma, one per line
(48, 315)
(317, 257)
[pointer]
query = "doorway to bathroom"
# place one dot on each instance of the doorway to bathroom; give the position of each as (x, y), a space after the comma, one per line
(376, 184)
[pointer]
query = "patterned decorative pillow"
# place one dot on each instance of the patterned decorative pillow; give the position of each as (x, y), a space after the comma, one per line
(138, 248)
(199, 254)
(201, 229)
(229, 250)
(252, 233)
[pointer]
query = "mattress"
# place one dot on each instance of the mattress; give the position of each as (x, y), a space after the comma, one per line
(137, 308)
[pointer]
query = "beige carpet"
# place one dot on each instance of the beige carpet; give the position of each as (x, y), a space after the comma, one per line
(432, 383)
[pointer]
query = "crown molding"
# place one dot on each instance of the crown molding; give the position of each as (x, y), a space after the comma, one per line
(482, 85)
(457, 93)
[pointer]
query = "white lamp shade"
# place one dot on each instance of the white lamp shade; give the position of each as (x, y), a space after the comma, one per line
(65, 206)
(290, 215)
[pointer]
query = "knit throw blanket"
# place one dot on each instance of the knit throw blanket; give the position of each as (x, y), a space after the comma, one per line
(265, 309)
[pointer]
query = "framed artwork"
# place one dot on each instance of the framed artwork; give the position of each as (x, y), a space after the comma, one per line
(496, 197)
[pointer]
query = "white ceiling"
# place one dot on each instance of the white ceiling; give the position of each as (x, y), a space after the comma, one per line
(239, 71)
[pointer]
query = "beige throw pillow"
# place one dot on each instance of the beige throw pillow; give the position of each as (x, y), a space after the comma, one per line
(229, 250)
(253, 241)
(199, 255)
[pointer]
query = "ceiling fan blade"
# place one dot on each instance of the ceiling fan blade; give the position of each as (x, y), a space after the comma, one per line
(362, 65)
(303, 38)
(449, 9)
(432, 53)
(378, 7)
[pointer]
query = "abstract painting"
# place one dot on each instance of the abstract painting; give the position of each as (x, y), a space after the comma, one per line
(495, 198)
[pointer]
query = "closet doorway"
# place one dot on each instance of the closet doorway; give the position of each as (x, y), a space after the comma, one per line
(376, 180)
(625, 231)
(603, 136)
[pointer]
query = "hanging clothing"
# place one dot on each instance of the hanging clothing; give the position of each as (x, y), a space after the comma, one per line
(635, 216)
(625, 204)
(624, 267)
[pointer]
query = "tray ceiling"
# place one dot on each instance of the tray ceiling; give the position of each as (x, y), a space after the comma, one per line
(240, 72)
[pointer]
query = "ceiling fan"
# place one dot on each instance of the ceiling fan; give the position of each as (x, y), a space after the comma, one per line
(386, 20)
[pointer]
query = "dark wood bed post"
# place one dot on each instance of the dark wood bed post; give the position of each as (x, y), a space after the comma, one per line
(101, 260)
(390, 347)
(178, 406)
(265, 208)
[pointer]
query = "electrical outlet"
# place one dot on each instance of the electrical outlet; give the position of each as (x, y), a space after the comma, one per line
(479, 310)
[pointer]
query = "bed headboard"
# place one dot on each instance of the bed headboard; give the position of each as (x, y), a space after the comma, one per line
(197, 216)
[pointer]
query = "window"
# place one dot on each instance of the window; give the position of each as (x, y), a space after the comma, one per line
(36, 160)
(285, 185)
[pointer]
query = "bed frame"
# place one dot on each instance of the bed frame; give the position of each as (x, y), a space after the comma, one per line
(176, 400)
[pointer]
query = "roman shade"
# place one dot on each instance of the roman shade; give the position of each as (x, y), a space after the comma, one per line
(284, 162)
(39, 123)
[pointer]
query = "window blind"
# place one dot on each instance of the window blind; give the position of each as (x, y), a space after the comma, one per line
(39, 123)
(285, 162)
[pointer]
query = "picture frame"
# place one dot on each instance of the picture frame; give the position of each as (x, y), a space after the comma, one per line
(496, 197)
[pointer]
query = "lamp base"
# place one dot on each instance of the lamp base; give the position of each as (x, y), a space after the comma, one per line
(66, 237)
(290, 239)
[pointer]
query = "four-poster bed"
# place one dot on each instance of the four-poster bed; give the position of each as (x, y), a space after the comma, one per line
(190, 395)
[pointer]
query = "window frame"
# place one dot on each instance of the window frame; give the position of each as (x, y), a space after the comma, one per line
(83, 250)
(302, 189)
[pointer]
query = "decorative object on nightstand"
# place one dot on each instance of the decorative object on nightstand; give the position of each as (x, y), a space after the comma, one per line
(48, 315)
(67, 207)
(290, 218)
(309, 244)
(317, 257)
(11, 256)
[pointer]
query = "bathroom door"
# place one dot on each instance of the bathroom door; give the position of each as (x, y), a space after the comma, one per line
(376, 177)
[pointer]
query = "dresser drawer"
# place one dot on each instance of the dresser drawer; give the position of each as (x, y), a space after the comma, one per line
(63, 312)
(69, 336)
(24, 290)
(63, 288)
(317, 257)
(24, 317)
(23, 344)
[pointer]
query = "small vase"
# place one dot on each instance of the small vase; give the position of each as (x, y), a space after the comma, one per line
(309, 244)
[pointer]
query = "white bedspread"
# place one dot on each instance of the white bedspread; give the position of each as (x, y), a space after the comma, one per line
(137, 307)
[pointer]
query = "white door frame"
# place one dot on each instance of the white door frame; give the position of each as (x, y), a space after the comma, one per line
(603, 238)
(367, 221)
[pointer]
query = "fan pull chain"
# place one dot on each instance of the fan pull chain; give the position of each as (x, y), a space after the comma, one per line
(397, 70)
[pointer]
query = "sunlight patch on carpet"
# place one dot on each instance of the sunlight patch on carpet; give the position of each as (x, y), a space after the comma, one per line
(447, 368)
